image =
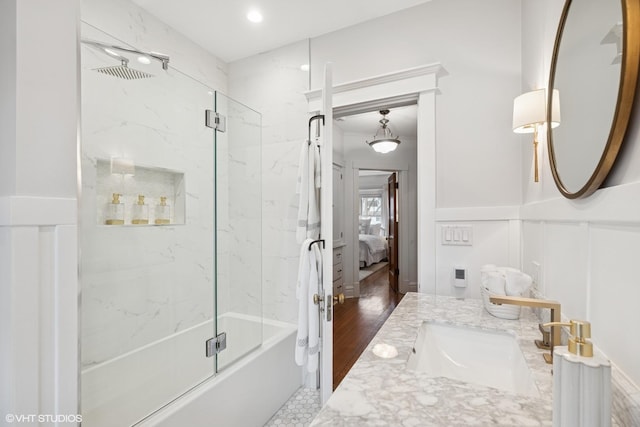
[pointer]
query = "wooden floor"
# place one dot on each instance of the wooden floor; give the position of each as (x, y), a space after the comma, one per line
(357, 320)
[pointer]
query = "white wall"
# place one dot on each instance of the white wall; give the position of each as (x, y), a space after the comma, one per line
(587, 248)
(491, 245)
(373, 182)
(8, 70)
(478, 157)
(39, 105)
(477, 154)
(338, 146)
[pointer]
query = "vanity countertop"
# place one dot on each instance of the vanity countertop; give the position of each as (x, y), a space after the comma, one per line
(383, 392)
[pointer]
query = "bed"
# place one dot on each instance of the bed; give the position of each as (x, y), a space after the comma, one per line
(373, 249)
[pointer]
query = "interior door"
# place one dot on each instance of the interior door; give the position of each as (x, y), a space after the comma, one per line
(392, 240)
(326, 231)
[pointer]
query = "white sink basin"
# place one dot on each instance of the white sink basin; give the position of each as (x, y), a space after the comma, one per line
(474, 355)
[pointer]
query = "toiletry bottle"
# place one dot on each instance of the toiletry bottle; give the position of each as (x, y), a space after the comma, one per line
(114, 214)
(140, 212)
(581, 380)
(163, 212)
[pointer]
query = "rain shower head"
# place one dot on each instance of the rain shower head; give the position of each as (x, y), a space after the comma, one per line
(123, 71)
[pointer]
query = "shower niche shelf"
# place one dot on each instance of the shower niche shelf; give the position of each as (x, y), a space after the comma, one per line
(130, 181)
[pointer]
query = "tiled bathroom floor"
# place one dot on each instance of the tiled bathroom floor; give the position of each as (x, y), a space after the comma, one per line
(299, 410)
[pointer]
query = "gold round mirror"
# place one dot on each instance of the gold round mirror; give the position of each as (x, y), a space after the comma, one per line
(595, 71)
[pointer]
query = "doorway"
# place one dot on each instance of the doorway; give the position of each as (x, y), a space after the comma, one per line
(363, 197)
(367, 215)
(413, 86)
(373, 225)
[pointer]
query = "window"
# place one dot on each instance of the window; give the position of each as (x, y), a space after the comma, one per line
(371, 207)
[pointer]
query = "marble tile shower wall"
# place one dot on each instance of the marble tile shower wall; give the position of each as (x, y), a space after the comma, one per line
(274, 84)
(142, 283)
(239, 222)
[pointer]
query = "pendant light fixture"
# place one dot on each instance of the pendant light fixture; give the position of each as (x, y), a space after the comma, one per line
(384, 141)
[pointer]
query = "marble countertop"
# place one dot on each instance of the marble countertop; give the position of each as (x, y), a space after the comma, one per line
(383, 392)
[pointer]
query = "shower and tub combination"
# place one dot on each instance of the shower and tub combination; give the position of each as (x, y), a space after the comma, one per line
(172, 331)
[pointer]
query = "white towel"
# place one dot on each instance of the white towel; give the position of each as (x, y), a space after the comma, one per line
(488, 267)
(494, 282)
(308, 187)
(504, 280)
(505, 270)
(302, 291)
(309, 277)
(517, 283)
(315, 280)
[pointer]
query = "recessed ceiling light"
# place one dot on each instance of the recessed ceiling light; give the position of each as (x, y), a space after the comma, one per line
(144, 60)
(304, 67)
(254, 16)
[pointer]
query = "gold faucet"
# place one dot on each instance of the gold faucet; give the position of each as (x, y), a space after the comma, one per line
(580, 331)
(537, 303)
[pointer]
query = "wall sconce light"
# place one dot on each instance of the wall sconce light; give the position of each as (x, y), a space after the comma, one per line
(384, 141)
(530, 112)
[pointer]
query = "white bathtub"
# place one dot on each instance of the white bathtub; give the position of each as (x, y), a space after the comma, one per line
(245, 393)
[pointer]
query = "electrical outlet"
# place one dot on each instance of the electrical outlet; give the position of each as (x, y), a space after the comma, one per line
(535, 274)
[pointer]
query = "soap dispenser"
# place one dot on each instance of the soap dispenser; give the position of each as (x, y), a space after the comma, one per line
(581, 380)
(163, 212)
(140, 212)
(114, 214)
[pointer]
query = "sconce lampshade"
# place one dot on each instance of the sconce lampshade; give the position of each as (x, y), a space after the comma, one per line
(529, 110)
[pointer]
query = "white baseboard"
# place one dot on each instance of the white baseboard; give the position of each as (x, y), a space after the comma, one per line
(352, 290)
(407, 286)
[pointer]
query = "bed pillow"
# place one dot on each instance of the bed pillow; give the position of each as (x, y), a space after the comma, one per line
(364, 225)
(374, 229)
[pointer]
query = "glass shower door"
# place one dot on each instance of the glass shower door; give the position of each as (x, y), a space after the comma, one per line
(238, 228)
(170, 235)
(147, 238)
